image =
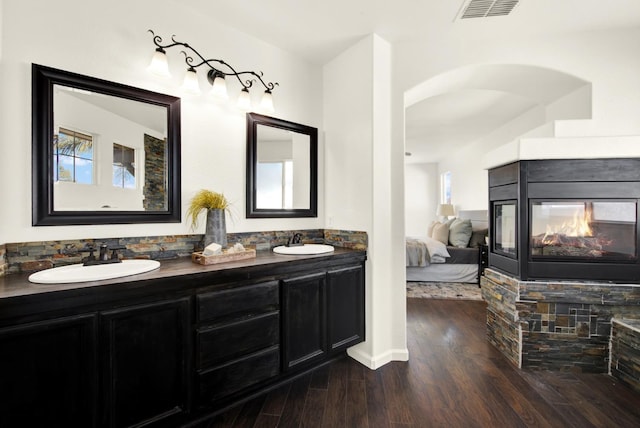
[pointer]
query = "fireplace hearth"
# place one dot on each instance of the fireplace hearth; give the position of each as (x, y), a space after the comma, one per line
(566, 219)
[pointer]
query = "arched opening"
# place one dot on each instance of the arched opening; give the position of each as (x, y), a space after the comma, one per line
(454, 120)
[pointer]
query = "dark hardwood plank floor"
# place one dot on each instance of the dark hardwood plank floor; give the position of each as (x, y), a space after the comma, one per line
(454, 378)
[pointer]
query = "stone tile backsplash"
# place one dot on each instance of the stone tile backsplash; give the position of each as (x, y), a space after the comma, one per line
(3, 259)
(34, 256)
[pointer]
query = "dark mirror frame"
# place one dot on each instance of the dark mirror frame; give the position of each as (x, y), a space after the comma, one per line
(255, 119)
(43, 213)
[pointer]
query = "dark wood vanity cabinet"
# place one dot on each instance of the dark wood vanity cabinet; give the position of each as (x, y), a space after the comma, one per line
(345, 307)
(145, 364)
(173, 349)
(304, 326)
(113, 368)
(323, 314)
(48, 373)
(238, 339)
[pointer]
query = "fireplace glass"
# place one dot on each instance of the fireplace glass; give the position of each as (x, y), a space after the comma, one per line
(505, 228)
(592, 229)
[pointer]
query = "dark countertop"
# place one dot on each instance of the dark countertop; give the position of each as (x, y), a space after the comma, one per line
(18, 285)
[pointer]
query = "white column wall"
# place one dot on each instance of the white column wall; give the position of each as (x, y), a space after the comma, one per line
(357, 112)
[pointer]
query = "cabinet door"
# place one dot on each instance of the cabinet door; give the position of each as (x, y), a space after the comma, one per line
(146, 365)
(304, 327)
(345, 307)
(47, 373)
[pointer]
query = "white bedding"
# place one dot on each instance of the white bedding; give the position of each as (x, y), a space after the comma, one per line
(439, 271)
(424, 251)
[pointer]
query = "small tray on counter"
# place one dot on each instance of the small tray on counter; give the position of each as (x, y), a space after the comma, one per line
(198, 257)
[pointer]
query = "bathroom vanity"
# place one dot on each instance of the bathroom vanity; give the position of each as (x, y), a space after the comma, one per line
(172, 346)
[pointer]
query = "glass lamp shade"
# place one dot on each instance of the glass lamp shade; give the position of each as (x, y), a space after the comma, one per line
(190, 83)
(445, 210)
(159, 65)
(219, 89)
(267, 102)
(244, 99)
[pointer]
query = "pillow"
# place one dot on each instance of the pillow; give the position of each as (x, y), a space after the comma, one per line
(430, 228)
(460, 233)
(440, 233)
(477, 237)
(437, 250)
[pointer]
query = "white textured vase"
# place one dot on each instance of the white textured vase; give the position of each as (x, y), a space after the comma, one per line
(216, 230)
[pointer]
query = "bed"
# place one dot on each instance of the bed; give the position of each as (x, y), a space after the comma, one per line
(429, 259)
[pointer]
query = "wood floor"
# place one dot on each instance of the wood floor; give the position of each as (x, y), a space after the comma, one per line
(454, 379)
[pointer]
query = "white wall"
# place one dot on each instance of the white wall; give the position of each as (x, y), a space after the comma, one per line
(359, 186)
(608, 60)
(422, 185)
(110, 41)
(1, 25)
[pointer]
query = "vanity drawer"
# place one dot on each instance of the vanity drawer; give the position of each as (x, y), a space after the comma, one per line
(229, 341)
(238, 301)
(224, 380)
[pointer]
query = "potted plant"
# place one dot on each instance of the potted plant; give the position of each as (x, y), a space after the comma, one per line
(215, 204)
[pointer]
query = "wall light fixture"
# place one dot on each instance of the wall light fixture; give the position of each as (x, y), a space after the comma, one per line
(217, 71)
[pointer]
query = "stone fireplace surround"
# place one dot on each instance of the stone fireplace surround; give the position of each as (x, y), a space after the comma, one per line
(556, 325)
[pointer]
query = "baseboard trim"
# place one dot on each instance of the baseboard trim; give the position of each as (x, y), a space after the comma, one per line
(375, 362)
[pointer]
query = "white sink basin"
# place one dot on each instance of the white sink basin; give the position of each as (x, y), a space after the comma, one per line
(79, 273)
(306, 249)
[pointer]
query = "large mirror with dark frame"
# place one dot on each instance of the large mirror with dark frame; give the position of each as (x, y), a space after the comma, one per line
(282, 168)
(103, 152)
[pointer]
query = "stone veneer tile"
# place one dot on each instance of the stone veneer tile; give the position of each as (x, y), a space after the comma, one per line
(555, 325)
(3, 259)
(346, 239)
(38, 255)
(625, 352)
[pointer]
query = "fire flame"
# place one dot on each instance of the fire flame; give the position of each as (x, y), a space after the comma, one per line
(579, 226)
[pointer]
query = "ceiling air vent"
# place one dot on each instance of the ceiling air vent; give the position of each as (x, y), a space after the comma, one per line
(485, 8)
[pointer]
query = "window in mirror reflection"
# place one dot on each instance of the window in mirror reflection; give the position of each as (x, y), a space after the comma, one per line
(128, 152)
(124, 167)
(275, 184)
(73, 157)
(281, 156)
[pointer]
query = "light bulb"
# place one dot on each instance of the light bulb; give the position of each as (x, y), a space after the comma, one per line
(159, 65)
(244, 99)
(219, 89)
(190, 83)
(267, 101)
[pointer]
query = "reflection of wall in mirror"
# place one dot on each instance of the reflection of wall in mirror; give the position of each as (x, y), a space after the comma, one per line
(107, 128)
(274, 188)
(301, 168)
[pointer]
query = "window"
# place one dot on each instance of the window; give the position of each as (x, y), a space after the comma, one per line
(124, 167)
(73, 157)
(275, 185)
(445, 187)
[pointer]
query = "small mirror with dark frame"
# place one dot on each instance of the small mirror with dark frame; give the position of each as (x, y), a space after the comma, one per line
(102, 152)
(282, 168)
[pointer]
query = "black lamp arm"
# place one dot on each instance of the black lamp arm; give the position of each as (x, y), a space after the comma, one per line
(269, 86)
